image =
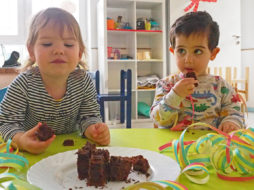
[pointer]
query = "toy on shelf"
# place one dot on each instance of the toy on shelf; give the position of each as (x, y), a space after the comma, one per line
(110, 24)
(118, 53)
(144, 54)
(118, 25)
(147, 24)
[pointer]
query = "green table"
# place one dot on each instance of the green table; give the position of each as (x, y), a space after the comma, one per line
(149, 139)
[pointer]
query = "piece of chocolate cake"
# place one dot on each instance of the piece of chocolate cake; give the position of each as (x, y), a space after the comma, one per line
(106, 156)
(44, 132)
(84, 155)
(191, 74)
(119, 168)
(68, 142)
(98, 167)
(140, 164)
(97, 173)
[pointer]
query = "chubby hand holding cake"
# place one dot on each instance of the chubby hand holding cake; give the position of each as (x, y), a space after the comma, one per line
(44, 133)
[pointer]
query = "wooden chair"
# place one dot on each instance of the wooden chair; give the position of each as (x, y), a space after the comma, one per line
(122, 96)
(231, 77)
(244, 82)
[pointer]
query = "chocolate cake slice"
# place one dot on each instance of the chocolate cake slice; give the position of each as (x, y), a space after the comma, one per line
(84, 155)
(191, 74)
(44, 132)
(97, 173)
(140, 164)
(119, 168)
(98, 167)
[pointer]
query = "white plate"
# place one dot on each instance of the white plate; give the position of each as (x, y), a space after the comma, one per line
(59, 171)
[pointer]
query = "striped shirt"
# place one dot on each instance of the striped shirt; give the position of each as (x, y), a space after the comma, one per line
(27, 102)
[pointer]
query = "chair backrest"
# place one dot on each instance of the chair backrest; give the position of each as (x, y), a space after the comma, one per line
(125, 80)
(126, 75)
(2, 93)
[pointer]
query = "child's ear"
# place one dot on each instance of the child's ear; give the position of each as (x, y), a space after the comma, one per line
(171, 50)
(215, 51)
(81, 51)
(31, 53)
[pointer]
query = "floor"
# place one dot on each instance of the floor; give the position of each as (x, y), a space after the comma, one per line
(249, 123)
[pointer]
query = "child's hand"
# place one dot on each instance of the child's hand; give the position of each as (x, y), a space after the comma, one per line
(29, 142)
(185, 87)
(228, 126)
(98, 133)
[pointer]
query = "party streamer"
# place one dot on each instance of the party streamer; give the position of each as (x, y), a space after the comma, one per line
(9, 159)
(231, 155)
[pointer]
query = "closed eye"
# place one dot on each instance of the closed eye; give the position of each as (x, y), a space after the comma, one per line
(68, 45)
(47, 44)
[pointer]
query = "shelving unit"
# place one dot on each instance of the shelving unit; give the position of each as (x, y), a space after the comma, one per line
(130, 41)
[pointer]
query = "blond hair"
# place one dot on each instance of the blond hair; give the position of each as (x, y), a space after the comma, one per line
(60, 18)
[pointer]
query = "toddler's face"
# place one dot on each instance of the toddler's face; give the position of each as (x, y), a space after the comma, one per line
(56, 51)
(192, 53)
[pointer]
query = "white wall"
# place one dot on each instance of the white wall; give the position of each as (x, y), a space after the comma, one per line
(92, 47)
(247, 45)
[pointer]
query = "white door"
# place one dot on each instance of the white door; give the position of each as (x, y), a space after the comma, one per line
(227, 14)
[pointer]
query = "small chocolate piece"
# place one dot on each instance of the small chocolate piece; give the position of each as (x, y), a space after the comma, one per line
(44, 132)
(191, 74)
(68, 142)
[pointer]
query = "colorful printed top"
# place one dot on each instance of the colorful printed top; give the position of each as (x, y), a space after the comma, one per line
(214, 102)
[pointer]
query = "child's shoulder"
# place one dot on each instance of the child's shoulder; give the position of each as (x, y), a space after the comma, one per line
(172, 78)
(80, 77)
(168, 82)
(79, 74)
(212, 79)
(26, 76)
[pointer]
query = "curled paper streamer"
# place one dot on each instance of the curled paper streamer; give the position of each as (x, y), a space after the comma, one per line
(157, 185)
(231, 155)
(10, 159)
(195, 3)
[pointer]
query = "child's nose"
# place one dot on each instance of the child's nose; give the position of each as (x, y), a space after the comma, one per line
(189, 59)
(58, 50)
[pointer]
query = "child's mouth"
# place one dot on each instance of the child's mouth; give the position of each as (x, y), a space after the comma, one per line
(189, 70)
